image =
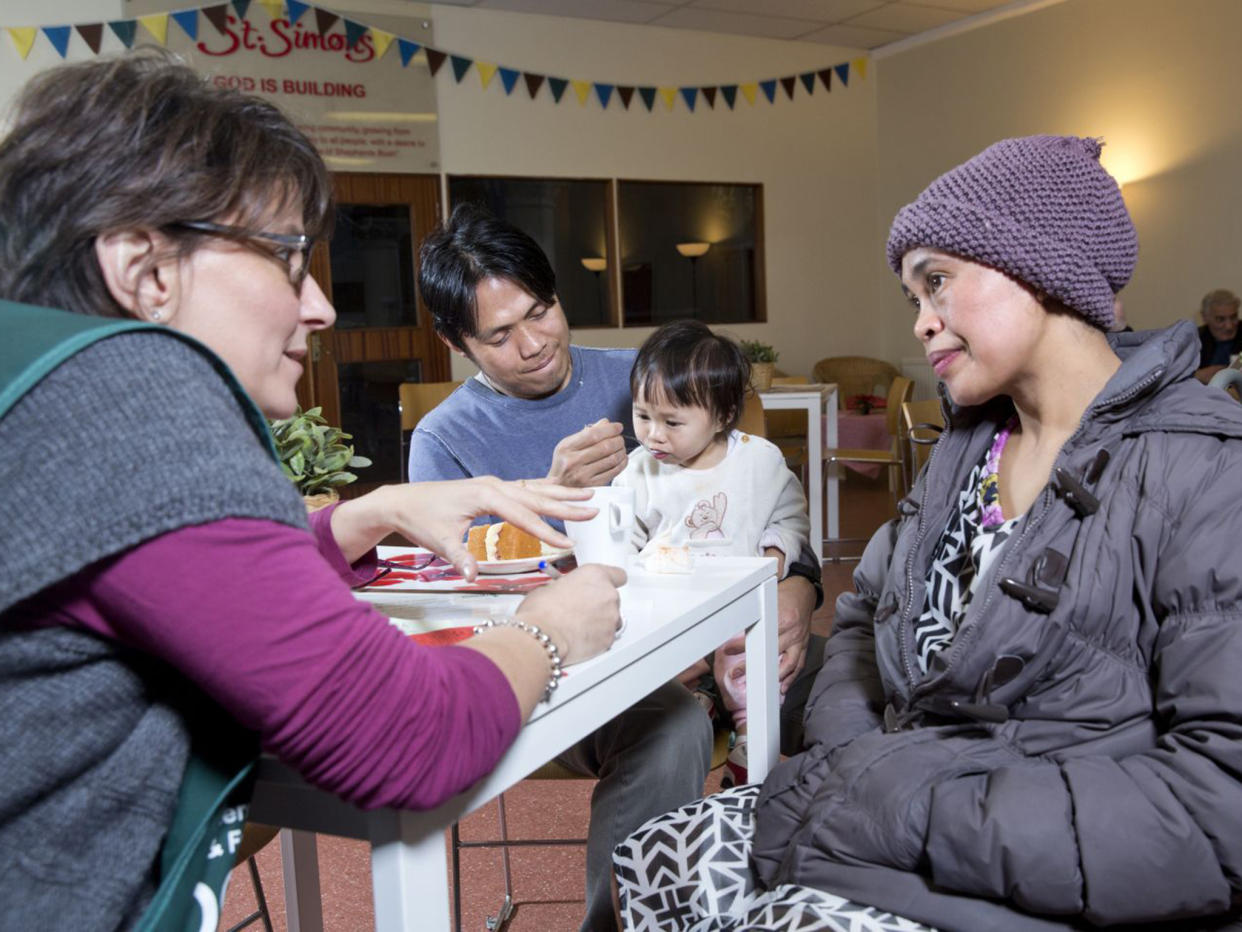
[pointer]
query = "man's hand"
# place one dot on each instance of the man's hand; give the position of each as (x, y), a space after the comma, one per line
(795, 601)
(591, 457)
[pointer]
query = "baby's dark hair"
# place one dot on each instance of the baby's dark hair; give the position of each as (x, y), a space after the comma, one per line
(688, 365)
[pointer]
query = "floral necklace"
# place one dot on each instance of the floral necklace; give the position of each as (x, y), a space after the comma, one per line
(990, 515)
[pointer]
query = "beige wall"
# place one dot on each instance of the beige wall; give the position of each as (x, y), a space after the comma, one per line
(1157, 79)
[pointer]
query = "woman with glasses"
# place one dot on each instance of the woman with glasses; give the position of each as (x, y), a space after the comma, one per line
(165, 610)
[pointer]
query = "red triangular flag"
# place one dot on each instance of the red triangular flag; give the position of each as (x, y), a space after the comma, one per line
(788, 85)
(91, 34)
(710, 94)
(435, 58)
(218, 16)
(826, 77)
(533, 83)
(625, 93)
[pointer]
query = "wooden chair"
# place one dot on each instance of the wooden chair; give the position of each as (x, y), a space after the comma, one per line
(922, 422)
(898, 394)
(855, 375)
(414, 401)
(752, 420)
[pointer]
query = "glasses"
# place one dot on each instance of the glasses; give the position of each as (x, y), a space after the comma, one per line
(291, 249)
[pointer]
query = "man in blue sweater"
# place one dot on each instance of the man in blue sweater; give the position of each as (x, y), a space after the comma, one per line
(540, 406)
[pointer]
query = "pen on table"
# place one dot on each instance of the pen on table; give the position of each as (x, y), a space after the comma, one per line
(549, 570)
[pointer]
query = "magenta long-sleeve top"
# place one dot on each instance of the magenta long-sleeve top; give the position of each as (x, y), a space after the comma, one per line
(255, 614)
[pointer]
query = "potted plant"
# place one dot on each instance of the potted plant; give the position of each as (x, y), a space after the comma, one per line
(762, 358)
(315, 456)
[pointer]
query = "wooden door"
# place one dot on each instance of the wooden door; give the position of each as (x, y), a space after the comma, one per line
(383, 334)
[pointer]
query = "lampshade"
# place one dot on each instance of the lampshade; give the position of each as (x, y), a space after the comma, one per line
(594, 264)
(693, 250)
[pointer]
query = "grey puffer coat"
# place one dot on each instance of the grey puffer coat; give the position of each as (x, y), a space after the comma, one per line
(1074, 756)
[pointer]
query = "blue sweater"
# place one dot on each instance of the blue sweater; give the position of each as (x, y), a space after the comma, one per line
(477, 431)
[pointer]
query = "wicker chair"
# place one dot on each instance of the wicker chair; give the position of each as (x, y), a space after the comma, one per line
(922, 422)
(856, 375)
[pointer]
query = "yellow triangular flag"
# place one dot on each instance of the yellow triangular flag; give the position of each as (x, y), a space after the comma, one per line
(157, 25)
(582, 89)
(669, 94)
(749, 91)
(275, 8)
(382, 41)
(487, 71)
(860, 65)
(23, 38)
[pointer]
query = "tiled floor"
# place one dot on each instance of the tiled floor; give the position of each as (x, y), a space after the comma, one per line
(547, 881)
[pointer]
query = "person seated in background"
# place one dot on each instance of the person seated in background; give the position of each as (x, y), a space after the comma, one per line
(701, 484)
(1029, 714)
(1219, 337)
(165, 610)
(492, 294)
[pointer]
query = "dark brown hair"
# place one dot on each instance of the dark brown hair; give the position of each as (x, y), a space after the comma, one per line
(138, 142)
(688, 365)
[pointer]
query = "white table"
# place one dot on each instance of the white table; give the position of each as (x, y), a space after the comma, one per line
(671, 621)
(814, 399)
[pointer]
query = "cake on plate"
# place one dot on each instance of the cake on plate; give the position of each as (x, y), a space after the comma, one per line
(502, 541)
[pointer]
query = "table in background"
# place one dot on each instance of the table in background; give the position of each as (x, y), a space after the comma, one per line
(863, 432)
(671, 621)
(821, 432)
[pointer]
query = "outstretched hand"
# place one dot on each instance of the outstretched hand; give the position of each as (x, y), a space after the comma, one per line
(581, 611)
(436, 515)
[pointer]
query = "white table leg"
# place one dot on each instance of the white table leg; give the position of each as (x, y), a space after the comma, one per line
(834, 513)
(763, 746)
(409, 879)
(299, 858)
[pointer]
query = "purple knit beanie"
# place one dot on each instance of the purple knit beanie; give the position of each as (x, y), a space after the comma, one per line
(1040, 209)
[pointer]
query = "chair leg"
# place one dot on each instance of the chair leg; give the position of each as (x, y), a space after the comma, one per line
(260, 900)
(504, 915)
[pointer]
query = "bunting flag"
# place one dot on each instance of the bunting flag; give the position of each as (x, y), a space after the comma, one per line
(408, 50)
(92, 35)
(297, 9)
(218, 16)
(460, 66)
(23, 37)
(156, 24)
(382, 41)
(188, 21)
(59, 37)
(275, 8)
(125, 30)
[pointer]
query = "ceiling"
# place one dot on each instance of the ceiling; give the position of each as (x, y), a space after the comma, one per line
(859, 24)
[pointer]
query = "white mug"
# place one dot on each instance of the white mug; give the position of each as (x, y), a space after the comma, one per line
(606, 537)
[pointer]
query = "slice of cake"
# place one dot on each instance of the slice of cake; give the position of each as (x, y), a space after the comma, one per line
(666, 558)
(502, 541)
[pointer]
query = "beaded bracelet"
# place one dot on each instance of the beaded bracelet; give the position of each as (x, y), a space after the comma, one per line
(553, 654)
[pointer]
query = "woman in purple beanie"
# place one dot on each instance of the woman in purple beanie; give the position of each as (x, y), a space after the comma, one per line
(1029, 711)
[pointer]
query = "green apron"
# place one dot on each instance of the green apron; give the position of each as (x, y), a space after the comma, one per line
(197, 854)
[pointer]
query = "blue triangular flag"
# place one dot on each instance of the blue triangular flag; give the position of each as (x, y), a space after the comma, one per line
(408, 50)
(460, 66)
(843, 73)
(688, 94)
(354, 32)
(558, 86)
(59, 37)
(769, 89)
(296, 9)
(648, 96)
(808, 81)
(125, 29)
(188, 21)
(241, 6)
(729, 91)
(604, 93)
(508, 77)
